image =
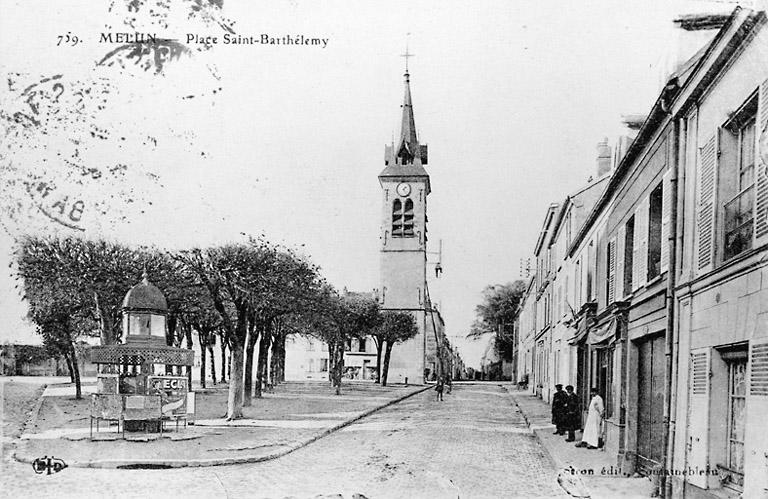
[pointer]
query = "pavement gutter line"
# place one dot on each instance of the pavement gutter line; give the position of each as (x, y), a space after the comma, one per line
(180, 463)
(31, 419)
(34, 413)
(514, 401)
(559, 465)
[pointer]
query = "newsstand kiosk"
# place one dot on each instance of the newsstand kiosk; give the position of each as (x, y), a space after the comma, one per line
(143, 383)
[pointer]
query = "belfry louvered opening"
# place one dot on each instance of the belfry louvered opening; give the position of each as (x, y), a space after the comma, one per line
(402, 218)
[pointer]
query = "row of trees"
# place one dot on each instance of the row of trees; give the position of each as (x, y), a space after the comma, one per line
(244, 295)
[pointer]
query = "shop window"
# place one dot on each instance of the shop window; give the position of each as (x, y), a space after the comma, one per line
(654, 233)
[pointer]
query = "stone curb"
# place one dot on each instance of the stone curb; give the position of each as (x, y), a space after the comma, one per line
(31, 416)
(184, 463)
(514, 401)
(35, 412)
(559, 465)
(30, 419)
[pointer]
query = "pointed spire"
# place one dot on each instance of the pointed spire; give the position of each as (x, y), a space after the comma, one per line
(407, 158)
(408, 129)
(409, 143)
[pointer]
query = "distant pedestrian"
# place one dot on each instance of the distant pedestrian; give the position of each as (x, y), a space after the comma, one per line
(559, 405)
(448, 384)
(439, 388)
(572, 413)
(594, 424)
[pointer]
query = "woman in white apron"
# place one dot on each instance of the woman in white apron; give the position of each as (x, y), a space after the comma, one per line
(593, 427)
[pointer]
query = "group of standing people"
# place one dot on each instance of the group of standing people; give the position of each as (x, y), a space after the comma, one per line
(566, 416)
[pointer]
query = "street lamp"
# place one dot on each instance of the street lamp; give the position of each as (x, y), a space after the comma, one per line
(438, 264)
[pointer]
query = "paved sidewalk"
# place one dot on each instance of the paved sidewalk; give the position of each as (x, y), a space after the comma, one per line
(292, 416)
(596, 469)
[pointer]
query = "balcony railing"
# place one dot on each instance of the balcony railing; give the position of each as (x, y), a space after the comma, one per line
(739, 217)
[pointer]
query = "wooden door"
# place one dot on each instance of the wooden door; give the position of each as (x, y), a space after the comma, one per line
(650, 403)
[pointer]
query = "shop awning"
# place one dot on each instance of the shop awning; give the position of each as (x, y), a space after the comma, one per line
(581, 332)
(603, 334)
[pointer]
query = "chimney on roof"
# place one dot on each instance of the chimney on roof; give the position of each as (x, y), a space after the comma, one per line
(632, 124)
(692, 32)
(604, 159)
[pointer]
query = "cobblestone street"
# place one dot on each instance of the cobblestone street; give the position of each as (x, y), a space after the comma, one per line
(474, 444)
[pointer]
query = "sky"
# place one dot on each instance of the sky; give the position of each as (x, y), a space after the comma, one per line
(288, 141)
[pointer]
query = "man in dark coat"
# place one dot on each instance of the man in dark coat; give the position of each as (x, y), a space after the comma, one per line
(558, 410)
(439, 388)
(572, 413)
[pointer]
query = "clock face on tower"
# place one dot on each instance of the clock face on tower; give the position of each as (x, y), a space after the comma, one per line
(403, 189)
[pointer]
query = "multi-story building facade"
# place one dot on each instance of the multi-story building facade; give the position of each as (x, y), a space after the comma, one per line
(458, 369)
(525, 327)
(567, 281)
(623, 248)
(666, 281)
(436, 344)
(721, 311)
(542, 338)
(307, 359)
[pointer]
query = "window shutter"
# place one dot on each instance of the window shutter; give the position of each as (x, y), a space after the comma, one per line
(619, 273)
(611, 271)
(705, 212)
(756, 479)
(666, 218)
(761, 168)
(698, 415)
(640, 246)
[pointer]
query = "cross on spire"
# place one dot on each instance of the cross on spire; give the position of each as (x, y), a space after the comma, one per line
(407, 55)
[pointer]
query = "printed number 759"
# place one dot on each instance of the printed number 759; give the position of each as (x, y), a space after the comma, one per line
(68, 39)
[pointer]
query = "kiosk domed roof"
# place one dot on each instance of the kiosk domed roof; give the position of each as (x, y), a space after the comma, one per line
(145, 296)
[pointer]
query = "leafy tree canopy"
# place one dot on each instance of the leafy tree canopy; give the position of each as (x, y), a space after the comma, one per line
(498, 308)
(396, 327)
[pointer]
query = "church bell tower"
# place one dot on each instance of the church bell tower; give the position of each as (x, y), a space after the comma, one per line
(403, 237)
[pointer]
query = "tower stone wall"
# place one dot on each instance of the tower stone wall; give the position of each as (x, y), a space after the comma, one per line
(403, 242)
